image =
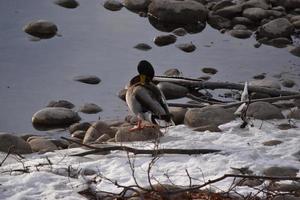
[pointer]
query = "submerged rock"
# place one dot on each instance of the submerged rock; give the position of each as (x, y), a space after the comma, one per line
(288, 83)
(209, 70)
(186, 47)
(147, 133)
(113, 5)
(264, 111)
(90, 108)
(61, 104)
(16, 144)
(164, 40)
(88, 79)
(67, 3)
(41, 28)
(143, 47)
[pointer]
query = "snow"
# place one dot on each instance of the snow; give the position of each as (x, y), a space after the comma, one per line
(240, 148)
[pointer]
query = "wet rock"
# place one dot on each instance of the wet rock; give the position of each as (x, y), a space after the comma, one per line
(186, 47)
(88, 79)
(83, 126)
(218, 22)
(67, 3)
(122, 94)
(279, 8)
(172, 90)
(285, 126)
(288, 83)
(281, 171)
(266, 83)
(295, 114)
(143, 47)
(209, 127)
(264, 111)
(179, 32)
(113, 5)
(272, 143)
(96, 130)
(79, 134)
(276, 28)
(289, 4)
(103, 138)
(61, 104)
(178, 12)
(136, 5)
(173, 72)
(41, 28)
(17, 144)
(241, 34)
(279, 42)
(295, 51)
(124, 135)
(178, 114)
(240, 27)
(229, 11)
(275, 14)
(257, 95)
(164, 40)
(297, 24)
(295, 18)
(256, 4)
(90, 108)
(51, 118)
(249, 182)
(222, 4)
(209, 70)
(260, 76)
(242, 20)
(255, 14)
(42, 144)
(197, 117)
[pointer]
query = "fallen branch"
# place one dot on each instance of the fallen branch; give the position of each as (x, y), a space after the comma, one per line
(140, 151)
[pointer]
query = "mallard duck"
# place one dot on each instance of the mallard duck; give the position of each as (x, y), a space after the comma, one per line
(146, 100)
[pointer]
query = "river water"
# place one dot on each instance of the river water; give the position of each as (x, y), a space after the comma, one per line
(99, 42)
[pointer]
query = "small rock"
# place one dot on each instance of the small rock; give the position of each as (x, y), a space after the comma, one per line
(61, 144)
(83, 126)
(41, 28)
(90, 108)
(177, 114)
(172, 90)
(279, 42)
(295, 114)
(264, 111)
(241, 34)
(218, 22)
(281, 171)
(229, 11)
(242, 20)
(164, 40)
(186, 47)
(295, 51)
(260, 76)
(286, 126)
(79, 134)
(67, 3)
(173, 72)
(256, 4)
(124, 135)
(103, 138)
(113, 5)
(179, 32)
(17, 144)
(89, 79)
(266, 83)
(204, 78)
(61, 103)
(297, 24)
(288, 83)
(272, 142)
(255, 14)
(276, 28)
(136, 5)
(42, 144)
(222, 4)
(209, 127)
(96, 130)
(209, 70)
(240, 27)
(143, 47)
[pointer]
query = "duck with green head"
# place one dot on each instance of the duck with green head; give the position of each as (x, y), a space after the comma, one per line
(146, 100)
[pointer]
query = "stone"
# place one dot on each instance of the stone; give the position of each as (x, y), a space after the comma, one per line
(52, 118)
(249, 182)
(197, 117)
(279, 8)
(178, 12)
(241, 34)
(218, 22)
(264, 111)
(79, 134)
(103, 138)
(113, 5)
(61, 144)
(295, 51)
(143, 47)
(280, 27)
(186, 47)
(173, 72)
(42, 144)
(90, 108)
(295, 18)
(136, 5)
(209, 70)
(285, 126)
(178, 114)
(242, 20)
(255, 14)
(297, 24)
(179, 32)
(96, 130)
(147, 133)
(260, 76)
(83, 126)
(295, 114)
(164, 40)
(268, 83)
(88, 79)
(41, 29)
(280, 42)
(281, 171)
(61, 103)
(239, 27)
(209, 127)
(67, 3)
(229, 11)
(288, 83)
(222, 4)
(289, 4)
(256, 4)
(272, 142)
(18, 145)
(286, 197)
(172, 90)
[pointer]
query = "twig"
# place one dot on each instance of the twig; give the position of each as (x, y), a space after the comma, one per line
(8, 153)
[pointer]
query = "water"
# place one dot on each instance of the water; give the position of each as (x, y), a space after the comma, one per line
(100, 42)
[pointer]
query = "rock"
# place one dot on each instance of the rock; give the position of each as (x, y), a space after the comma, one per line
(186, 47)
(52, 118)
(297, 102)
(255, 14)
(239, 27)
(219, 22)
(124, 135)
(286, 197)
(280, 27)
(172, 90)
(286, 126)
(178, 12)
(256, 4)
(61, 144)
(113, 5)
(295, 18)
(241, 34)
(88, 79)
(281, 171)
(83, 126)
(249, 182)
(178, 114)
(179, 32)
(209, 127)
(209, 70)
(41, 28)
(242, 20)
(264, 111)
(90, 108)
(289, 4)
(42, 144)
(143, 47)
(136, 5)
(222, 4)
(295, 114)
(272, 142)
(297, 24)
(288, 83)
(275, 14)
(67, 3)
(205, 78)
(266, 83)
(122, 94)
(164, 40)
(19, 145)
(197, 117)
(61, 103)
(103, 138)
(229, 11)
(79, 134)
(279, 8)
(131, 119)
(279, 42)
(96, 130)
(260, 76)
(295, 51)
(173, 72)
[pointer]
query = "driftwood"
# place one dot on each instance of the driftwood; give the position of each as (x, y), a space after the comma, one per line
(140, 151)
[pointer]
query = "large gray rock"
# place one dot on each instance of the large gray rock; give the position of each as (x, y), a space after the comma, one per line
(136, 5)
(215, 115)
(178, 12)
(19, 145)
(41, 28)
(96, 130)
(51, 118)
(295, 114)
(178, 114)
(40, 144)
(147, 133)
(255, 14)
(67, 3)
(264, 111)
(280, 27)
(230, 11)
(172, 90)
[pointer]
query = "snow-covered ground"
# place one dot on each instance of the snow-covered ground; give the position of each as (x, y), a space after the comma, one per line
(240, 148)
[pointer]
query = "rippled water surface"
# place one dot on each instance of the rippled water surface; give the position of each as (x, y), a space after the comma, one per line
(100, 42)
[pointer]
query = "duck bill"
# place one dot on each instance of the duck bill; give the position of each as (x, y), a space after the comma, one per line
(143, 79)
